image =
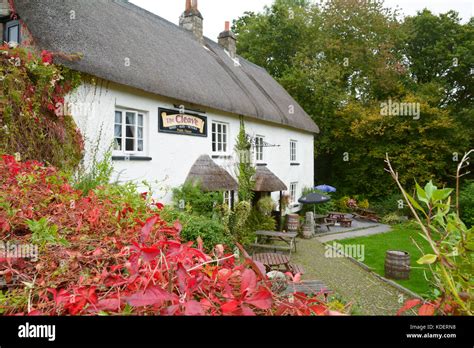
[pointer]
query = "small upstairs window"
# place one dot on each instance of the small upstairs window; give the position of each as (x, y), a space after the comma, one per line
(13, 32)
(220, 136)
(259, 148)
(293, 156)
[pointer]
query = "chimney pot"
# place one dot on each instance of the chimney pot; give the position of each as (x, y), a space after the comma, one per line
(192, 20)
(228, 40)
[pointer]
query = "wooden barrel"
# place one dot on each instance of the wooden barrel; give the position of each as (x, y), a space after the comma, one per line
(397, 264)
(293, 223)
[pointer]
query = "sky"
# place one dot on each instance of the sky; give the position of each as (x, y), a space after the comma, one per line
(216, 12)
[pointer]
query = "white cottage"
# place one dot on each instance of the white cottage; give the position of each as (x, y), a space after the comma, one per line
(164, 95)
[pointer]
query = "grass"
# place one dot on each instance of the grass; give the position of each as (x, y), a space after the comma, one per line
(399, 239)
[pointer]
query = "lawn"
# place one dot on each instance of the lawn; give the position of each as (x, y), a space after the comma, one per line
(398, 239)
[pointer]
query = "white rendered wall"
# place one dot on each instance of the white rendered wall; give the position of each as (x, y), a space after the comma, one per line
(93, 108)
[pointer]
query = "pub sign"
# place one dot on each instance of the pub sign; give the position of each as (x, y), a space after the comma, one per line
(183, 123)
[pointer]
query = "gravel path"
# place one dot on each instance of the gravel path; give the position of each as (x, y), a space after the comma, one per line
(369, 295)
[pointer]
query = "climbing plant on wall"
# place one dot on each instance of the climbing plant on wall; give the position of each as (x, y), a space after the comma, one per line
(33, 120)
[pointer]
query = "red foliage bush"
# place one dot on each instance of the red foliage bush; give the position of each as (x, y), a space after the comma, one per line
(114, 266)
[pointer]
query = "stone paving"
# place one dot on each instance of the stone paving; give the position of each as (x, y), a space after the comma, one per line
(368, 294)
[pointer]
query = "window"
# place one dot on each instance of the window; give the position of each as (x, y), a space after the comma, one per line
(293, 150)
(259, 148)
(293, 188)
(220, 135)
(128, 136)
(12, 31)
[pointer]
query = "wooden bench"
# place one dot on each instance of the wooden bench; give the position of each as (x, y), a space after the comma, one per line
(273, 247)
(296, 268)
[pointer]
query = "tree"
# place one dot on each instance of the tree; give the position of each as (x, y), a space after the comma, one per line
(342, 60)
(245, 169)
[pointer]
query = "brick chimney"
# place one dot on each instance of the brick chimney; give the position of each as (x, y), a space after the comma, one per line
(192, 20)
(228, 40)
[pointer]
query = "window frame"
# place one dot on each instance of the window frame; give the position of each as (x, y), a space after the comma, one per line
(136, 125)
(293, 189)
(8, 26)
(293, 151)
(215, 138)
(259, 155)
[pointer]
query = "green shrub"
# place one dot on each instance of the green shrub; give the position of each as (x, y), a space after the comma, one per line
(43, 233)
(211, 231)
(390, 205)
(197, 201)
(99, 173)
(466, 203)
(238, 223)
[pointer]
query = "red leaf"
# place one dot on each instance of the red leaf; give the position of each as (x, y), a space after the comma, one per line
(149, 297)
(262, 299)
(247, 311)
(248, 283)
(109, 304)
(146, 229)
(193, 308)
(178, 227)
(229, 307)
(149, 254)
(427, 310)
(408, 305)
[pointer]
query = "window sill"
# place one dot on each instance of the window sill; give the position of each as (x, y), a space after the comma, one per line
(131, 158)
(295, 164)
(221, 156)
(261, 164)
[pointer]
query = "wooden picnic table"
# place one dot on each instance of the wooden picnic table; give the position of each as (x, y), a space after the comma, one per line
(273, 261)
(337, 216)
(288, 237)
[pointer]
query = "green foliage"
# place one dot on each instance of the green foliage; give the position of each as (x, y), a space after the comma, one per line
(14, 298)
(196, 200)
(32, 119)
(238, 223)
(390, 205)
(452, 246)
(343, 60)
(265, 205)
(245, 169)
(211, 231)
(99, 173)
(260, 217)
(392, 219)
(43, 233)
(466, 203)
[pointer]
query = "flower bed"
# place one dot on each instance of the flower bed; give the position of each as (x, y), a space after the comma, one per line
(99, 256)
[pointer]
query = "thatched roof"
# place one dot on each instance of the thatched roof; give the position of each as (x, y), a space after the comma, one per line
(164, 59)
(210, 176)
(266, 181)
